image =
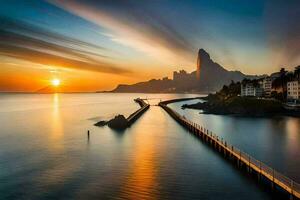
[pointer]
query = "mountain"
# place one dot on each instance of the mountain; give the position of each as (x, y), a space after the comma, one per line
(209, 77)
(213, 76)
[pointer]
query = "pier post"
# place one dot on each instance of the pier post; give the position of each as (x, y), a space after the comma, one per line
(222, 144)
(88, 134)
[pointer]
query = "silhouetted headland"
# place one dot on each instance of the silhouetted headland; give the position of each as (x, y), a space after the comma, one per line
(209, 77)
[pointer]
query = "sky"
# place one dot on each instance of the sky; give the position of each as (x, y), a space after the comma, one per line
(96, 45)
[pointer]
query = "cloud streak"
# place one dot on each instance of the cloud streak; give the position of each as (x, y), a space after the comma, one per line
(27, 42)
(134, 25)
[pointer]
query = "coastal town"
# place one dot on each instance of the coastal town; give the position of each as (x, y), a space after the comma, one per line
(266, 96)
(283, 86)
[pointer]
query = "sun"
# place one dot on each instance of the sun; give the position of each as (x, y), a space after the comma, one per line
(55, 82)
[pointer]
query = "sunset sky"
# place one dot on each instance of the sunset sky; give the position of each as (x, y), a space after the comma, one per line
(95, 45)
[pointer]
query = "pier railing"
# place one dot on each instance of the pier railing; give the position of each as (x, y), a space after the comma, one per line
(242, 158)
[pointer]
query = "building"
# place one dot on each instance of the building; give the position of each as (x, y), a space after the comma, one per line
(276, 87)
(267, 86)
(182, 75)
(293, 90)
(248, 90)
(279, 83)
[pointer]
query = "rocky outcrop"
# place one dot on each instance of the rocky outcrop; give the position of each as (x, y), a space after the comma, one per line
(119, 122)
(101, 123)
(213, 76)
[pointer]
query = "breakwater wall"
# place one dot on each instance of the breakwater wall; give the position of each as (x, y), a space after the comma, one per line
(134, 116)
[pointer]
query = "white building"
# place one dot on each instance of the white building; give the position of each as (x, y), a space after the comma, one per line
(249, 90)
(267, 85)
(293, 90)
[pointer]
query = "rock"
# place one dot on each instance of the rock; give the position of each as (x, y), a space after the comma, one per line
(101, 123)
(119, 122)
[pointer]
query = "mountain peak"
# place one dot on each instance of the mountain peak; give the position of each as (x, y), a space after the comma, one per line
(203, 54)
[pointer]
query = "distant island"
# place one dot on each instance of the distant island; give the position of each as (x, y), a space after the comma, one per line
(209, 77)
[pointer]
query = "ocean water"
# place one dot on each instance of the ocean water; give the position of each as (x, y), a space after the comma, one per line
(45, 153)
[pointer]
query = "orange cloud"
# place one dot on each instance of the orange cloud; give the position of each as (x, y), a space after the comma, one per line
(40, 48)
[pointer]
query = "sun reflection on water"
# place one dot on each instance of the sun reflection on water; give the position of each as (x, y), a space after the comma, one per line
(142, 180)
(57, 126)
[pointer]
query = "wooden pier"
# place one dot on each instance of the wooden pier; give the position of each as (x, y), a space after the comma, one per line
(242, 159)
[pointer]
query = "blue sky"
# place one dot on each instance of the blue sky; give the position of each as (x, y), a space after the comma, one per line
(143, 39)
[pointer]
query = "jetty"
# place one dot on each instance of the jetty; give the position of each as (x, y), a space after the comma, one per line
(120, 122)
(134, 116)
(237, 156)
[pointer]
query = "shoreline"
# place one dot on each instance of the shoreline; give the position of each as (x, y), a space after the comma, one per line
(247, 116)
(243, 107)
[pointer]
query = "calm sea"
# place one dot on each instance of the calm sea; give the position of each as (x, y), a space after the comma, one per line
(45, 154)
